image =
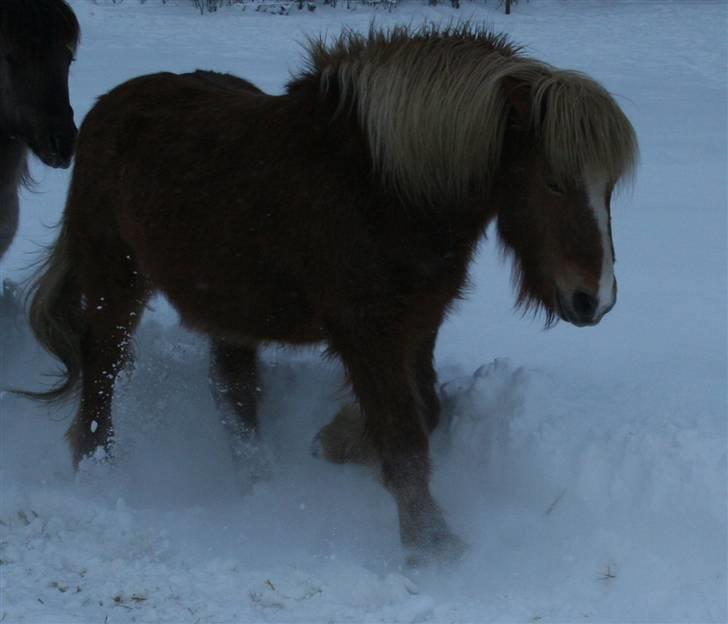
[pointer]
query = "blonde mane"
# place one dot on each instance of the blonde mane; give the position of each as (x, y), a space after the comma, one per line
(433, 104)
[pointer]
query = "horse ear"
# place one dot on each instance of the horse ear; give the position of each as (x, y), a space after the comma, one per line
(518, 96)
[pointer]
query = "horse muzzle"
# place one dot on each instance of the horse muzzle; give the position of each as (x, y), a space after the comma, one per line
(62, 147)
(581, 307)
(56, 149)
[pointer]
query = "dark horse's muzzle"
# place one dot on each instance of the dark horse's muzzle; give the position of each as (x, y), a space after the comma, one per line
(56, 148)
(62, 145)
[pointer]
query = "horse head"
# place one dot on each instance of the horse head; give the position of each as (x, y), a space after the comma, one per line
(37, 43)
(569, 146)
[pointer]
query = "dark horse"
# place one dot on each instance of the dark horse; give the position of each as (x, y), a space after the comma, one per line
(345, 211)
(38, 39)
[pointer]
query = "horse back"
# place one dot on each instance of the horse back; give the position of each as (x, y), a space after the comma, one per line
(207, 181)
(210, 182)
(224, 81)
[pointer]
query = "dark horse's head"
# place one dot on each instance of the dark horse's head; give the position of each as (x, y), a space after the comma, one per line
(38, 39)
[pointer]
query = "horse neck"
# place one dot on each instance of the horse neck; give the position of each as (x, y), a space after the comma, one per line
(464, 219)
(467, 221)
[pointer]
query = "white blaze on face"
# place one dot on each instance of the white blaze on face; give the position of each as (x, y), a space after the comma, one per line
(596, 186)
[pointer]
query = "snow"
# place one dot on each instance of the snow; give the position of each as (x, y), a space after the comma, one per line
(585, 468)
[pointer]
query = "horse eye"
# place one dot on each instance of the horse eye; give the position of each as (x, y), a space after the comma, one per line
(554, 187)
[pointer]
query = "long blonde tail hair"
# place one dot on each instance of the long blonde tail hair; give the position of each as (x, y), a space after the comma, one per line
(57, 316)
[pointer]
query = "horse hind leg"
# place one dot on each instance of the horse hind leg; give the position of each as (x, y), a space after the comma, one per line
(114, 297)
(235, 387)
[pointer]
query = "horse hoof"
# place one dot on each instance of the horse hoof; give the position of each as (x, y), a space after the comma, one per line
(93, 467)
(99, 456)
(443, 548)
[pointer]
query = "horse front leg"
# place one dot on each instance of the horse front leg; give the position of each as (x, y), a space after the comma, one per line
(343, 440)
(381, 371)
(426, 378)
(235, 386)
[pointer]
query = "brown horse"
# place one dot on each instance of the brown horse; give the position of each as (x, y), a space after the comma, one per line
(346, 211)
(38, 39)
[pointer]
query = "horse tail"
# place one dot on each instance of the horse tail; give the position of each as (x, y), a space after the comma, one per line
(57, 316)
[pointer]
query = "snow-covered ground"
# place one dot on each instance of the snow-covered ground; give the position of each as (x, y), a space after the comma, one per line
(586, 468)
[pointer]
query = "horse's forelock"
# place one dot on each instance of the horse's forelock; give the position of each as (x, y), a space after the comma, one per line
(50, 20)
(582, 128)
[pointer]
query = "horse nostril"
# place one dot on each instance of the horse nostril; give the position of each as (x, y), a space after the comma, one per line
(585, 304)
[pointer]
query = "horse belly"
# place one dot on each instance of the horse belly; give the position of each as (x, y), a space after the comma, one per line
(247, 310)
